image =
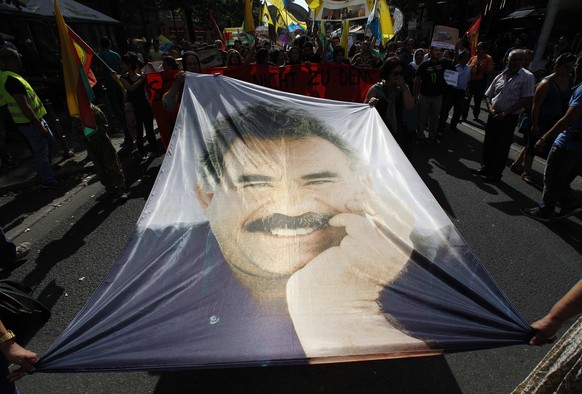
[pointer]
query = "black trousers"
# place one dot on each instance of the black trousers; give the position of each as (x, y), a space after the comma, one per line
(476, 90)
(498, 139)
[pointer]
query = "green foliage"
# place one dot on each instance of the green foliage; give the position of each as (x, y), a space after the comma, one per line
(227, 12)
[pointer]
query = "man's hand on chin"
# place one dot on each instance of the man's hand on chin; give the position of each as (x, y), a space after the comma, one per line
(333, 300)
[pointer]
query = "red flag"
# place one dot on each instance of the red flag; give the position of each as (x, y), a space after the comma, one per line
(76, 56)
(473, 34)
(216, 28)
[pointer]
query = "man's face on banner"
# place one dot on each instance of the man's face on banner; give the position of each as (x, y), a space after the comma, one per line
(271, 210)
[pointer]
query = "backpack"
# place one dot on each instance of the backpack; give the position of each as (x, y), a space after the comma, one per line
(20, 312)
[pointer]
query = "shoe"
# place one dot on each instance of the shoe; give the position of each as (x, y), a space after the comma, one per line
(516, 168)
(420, 140)
(68, 154)
(568, 211)
(538, 213)
(22, 251)
(107, 195)
(527, 178)
(55, 185)
(434, 141)
(122, 196)
(481, 172)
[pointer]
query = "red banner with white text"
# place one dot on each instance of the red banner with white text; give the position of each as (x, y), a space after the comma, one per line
(330, 81)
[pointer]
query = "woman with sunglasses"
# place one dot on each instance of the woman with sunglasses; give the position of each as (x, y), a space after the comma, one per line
(392, 98)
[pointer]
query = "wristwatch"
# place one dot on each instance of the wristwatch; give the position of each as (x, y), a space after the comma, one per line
(6, 337)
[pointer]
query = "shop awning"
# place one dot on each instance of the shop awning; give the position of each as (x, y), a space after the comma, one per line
(71, 10)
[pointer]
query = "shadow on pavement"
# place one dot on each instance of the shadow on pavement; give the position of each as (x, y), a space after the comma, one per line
(414, 375)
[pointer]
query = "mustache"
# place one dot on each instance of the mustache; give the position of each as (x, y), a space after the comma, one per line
(310, 220)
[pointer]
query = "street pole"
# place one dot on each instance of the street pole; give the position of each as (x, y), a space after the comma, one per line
(551, 12)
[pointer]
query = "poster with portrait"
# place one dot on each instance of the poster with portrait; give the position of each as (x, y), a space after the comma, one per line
(444, 37)
(334, 11)
(285, 229)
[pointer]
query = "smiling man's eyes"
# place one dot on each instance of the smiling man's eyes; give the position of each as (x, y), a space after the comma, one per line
(257, 185)
(317, 182)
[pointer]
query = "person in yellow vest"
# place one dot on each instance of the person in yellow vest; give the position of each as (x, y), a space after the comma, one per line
(27, 112)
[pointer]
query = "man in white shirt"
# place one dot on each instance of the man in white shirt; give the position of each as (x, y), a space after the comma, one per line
(507, 96)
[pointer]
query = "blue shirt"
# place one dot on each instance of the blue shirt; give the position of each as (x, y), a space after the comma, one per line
(464, 76)
(565, 138)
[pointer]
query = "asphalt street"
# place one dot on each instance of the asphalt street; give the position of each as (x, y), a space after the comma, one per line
(76, 239)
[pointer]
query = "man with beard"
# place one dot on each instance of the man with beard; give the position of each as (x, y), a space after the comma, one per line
(292, 210)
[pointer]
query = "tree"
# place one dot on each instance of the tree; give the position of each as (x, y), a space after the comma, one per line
(227, 12)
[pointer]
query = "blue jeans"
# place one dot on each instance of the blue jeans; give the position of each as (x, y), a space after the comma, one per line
(562, 166)
(42, 149)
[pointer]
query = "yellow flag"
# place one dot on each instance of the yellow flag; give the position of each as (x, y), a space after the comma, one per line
(286, 15)
(344, 36)
(385, 22)
(249, 23)
(266, 16)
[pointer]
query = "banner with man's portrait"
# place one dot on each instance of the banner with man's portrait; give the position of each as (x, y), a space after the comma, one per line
(285, 229)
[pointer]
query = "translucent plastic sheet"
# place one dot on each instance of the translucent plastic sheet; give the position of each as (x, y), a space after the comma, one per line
(285, 229)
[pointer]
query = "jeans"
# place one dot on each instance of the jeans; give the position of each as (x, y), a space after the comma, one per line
(562, 166)
(430, 109)
(454, 99)
(42, 149)
(498, 139)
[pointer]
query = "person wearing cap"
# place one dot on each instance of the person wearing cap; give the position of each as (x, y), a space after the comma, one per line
(28, 113)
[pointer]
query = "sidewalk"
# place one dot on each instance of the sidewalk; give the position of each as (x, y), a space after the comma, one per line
(24, 176)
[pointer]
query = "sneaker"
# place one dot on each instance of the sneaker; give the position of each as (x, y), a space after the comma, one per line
(22, 251)
(568, 211)
(538, 213)
(122, 196)
(481, 172)
(54, 185)
(68, 154)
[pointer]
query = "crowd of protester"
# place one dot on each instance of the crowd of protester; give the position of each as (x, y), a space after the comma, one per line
(414, 98)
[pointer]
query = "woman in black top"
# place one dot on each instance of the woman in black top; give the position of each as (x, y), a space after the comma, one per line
(134, 83)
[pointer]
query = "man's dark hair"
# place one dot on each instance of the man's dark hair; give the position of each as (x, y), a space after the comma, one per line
(105, 43)
(264, 122)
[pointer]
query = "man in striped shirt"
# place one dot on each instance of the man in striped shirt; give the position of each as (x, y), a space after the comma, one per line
(507, 96)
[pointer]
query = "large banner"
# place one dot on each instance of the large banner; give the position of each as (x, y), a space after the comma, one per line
(341, 10)
(331, 81)
(284, 229)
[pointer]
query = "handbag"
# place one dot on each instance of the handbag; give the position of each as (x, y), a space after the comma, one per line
(20, 312)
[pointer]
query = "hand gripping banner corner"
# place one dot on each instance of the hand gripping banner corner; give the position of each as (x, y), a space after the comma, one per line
(285, 229)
